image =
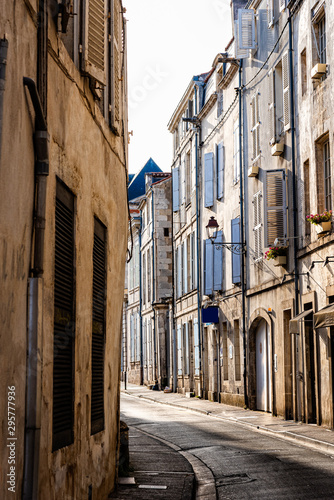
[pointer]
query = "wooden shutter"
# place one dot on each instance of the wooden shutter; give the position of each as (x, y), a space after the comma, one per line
(220, 171)
(208, 267)
(238, 51)
(281, 5)
(176, 188)
(271, 103)
(236, 155)
(184, 182)
(138, 346)
(286, 91)
(94, 46)
(257, 226)
(179, 350)
(144, 343)
(246, 28)
(118, 41)
(195, 258)
(98, 333)
(186, 360)
(236, 259)
(218, 263)
(196, 348)
(270, 12)
(64, 327)
(275, 206)
(255, 126)
(208, 179)
(179, 271)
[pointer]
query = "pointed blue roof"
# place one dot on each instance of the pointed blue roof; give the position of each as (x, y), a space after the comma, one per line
(137, 185)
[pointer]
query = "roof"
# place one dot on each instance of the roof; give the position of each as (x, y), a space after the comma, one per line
(137, 185)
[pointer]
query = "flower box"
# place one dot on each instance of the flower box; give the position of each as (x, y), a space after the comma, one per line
(323, 227)
(280, 260)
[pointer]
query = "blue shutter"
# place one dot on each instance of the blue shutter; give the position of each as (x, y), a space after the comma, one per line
(179, 349)
(176, 188)
(236, 259)
(208, 179)
(196, 347)
(144, 344)
(218, 263)
(208, 267)
(220, 171)
(138, 347)
(132, 340)
(186, 349)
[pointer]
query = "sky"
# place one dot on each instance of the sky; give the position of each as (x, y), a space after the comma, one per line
(169, 41)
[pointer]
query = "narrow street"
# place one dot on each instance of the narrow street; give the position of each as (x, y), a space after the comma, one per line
(244, 463)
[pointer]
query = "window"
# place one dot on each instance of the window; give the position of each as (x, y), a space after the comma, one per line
(188, 177)
(257, 225)
(208, 180)
(275, 207)
(219, 103)
(184, 268)
(149, 278)
(220, 171)
(138, 347)
(236, 259)
(213, 265)
(322, 40)
(327, 176)
(303, 65)
(166, 232)
(176, 188)
(323, 164)
(179, 351)
(98, 333)
(236, 151)
(225, 357)
(255, 130)
(64, 314)
(319, 35)
(270, 13)
(189, 263)
(132, 339)
(196, 348)
(144, 277)
(186, 360)
(306, 191)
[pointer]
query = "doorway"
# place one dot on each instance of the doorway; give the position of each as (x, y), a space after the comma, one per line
(263, 367)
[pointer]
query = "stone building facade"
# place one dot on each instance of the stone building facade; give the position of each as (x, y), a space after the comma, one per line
(63, 188)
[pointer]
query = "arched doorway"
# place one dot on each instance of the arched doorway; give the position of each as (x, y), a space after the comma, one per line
(263, 367)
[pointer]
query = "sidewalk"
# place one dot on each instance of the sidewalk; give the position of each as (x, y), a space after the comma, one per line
(308, 435)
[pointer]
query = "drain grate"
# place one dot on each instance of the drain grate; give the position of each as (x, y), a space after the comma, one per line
(233, 479)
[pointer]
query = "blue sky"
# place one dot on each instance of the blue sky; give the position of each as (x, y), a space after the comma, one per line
(169, 41)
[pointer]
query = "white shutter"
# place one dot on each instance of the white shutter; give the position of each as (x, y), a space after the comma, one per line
(94, 40)
(286, 91)
(246, 29)
(255, 126)
(185, 267)
(239, 53)
(257, 226)
(275, 206)
(270, 12)
(281, 5)
(271, 102)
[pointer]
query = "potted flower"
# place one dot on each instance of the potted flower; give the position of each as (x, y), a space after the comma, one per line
(322, 222)
(278, 254)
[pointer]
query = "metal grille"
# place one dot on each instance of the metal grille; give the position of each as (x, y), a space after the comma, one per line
(63, 347)
(96, 26)
(98, 333)
(327, 176)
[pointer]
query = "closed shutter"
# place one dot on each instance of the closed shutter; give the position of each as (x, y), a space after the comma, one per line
(117, 52)
(94, 50)
(186, 348)
(144, 343)
(179, 271)
(275, 206)
(286, 91)
(195, 258)
(179, 350)
(257, 228)
(184, 182)
(196, 348)
(138, 346)
(246, 29)
(238, 51)
(64, 327)
(208, 267)
(98, 334)
(208, 179)
(236, 155)
(236, 259)
(281, 5)
(176, 188)
(220, 171)
(255, 126)
(271, 103)
(218, 263)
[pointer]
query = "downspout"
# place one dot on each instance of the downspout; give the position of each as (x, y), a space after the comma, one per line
(173, 308)
(242, 237)
(3, 64)
(140, 308)
(35, 305)
(153, 292)
(294, 204)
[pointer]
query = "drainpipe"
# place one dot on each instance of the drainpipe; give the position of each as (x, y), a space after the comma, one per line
(3, 64)
(294, 203)
(173, 308)
(242, 237)
(153, 292)
(35, 307)
(140, 308)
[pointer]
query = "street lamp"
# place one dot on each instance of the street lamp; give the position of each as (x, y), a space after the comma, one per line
(212, 231)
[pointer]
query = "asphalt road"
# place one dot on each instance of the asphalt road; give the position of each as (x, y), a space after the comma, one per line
(245, 464)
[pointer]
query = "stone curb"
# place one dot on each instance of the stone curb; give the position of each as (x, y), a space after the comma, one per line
(315, 444)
